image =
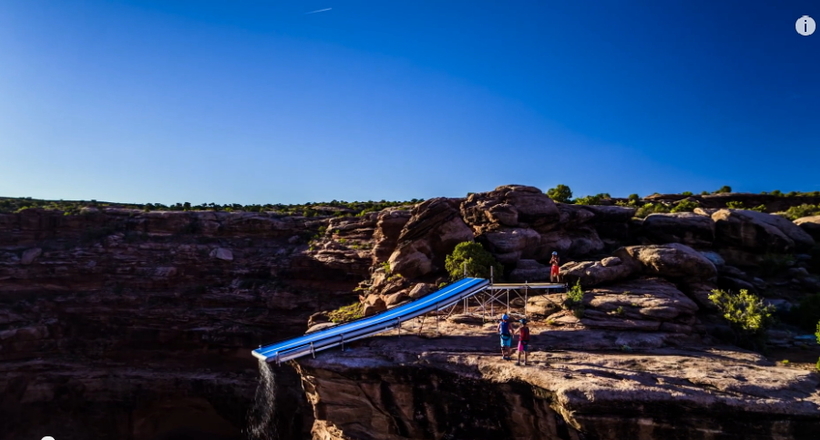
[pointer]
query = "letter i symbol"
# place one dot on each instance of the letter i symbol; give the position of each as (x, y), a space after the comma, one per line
(805, 26)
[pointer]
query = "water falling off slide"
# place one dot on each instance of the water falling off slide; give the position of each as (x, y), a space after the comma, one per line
(261, 420)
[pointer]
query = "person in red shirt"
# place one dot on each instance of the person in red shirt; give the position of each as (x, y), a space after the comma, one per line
(555, 269)
(523, 333)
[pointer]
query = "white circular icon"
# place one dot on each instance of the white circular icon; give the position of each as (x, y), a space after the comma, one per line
(805, 26)
(48, 437)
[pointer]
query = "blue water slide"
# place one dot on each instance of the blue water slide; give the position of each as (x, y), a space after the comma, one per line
(362, 328)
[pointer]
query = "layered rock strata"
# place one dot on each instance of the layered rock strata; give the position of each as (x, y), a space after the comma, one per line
(458, 387)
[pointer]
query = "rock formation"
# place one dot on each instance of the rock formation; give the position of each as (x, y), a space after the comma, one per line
(458, 387)
(148, 319)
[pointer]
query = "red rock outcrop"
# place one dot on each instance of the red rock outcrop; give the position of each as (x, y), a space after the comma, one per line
(147, 317)
(811, 225)
(745, 235)
(433, 231)
(401, 388)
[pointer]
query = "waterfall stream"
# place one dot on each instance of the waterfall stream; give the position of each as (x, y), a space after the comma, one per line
(261, 419)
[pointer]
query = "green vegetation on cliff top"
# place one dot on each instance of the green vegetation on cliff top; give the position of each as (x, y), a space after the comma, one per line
(333, 208)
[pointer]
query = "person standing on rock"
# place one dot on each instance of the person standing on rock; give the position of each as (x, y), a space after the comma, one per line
(523, 333)
(505, 332)
(555, 269)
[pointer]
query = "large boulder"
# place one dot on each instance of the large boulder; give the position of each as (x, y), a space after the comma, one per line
(811, 225)
(649, 304)
(593, 273)
(572, 216)
(759, 232)
(529, 271)
(681, 227)
(511, 244)
(557, 241)
(433, 231)
(699, 291)
(612, 213)
(672, 260)
(510, 206)
(389, 225)
(585, 242)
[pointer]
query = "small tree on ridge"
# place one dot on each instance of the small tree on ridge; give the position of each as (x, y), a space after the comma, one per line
(561, 193)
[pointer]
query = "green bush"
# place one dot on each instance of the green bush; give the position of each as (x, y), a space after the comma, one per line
(817, 335)
(651, 208)
(592, 200)
(561, 193)
(804, 210)
(735, 204)
(747, 315)
(685, 205)
(346, 313)
(478, 261)
(724, 189)
(575, 300)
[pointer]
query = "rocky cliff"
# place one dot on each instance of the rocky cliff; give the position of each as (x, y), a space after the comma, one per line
(125, 324)
(457, 387)
(129, 325)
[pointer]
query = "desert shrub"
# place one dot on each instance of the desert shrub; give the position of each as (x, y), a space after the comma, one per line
(806, 314)
(592, 200)
(685, 205)
(735, 204)
(804, 210)
(817, 335)
(346, 313)
(634, 197)
(748, 316)
(651, 208)
(561, 193)
(724, 189)
(477, 260)
(817, 332)
(759, 208)
(628, 203)
(575, 300)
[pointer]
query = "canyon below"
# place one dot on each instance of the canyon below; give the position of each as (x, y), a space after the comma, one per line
(129, 324)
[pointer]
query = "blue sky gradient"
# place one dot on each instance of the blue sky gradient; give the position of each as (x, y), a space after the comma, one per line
(261, 102)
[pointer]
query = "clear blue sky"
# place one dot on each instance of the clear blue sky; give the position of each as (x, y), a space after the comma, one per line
(264, 102)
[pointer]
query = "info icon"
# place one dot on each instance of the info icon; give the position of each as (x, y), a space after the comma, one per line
(805, 26)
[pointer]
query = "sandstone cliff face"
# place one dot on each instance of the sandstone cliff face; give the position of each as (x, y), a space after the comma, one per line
(130, 325)
(457, 387)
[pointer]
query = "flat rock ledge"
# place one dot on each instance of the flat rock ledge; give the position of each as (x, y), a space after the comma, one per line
(457, 386)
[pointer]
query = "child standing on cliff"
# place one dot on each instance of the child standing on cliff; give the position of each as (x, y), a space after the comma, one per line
(555, 269)
(506, 337)
(523, 333)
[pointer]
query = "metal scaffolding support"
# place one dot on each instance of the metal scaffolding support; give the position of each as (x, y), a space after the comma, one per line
(511, 298)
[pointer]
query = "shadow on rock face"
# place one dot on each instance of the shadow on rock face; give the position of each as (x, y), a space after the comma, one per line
(193, 434)
(180, 419)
